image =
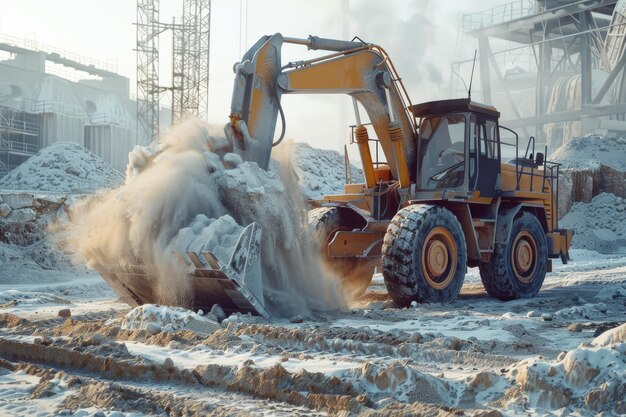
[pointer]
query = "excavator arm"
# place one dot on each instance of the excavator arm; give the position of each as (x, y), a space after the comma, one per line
(361, 70)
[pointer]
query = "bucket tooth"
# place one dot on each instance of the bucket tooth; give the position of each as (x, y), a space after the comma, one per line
(193, 257)
(213, 262)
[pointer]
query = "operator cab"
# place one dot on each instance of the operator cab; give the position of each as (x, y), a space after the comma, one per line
(452, 132)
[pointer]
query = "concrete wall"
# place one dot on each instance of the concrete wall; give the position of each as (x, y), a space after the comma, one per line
(97, 114)
(106, 140)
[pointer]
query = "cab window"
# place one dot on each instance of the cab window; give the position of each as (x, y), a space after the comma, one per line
(442, 145)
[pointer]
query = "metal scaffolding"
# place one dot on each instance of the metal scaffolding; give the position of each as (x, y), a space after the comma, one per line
(19, 137)
(203, 29)
(190, 63)
(179, 75)
(148, 90)
(193, 57)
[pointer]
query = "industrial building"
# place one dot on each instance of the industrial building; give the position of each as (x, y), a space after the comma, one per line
(554, 68)
(48, 96)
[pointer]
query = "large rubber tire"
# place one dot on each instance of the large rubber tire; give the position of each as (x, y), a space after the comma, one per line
(415, 234)
(354, 274)
(511, 274)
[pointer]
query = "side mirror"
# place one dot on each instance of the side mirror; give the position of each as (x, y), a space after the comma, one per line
(540, 159)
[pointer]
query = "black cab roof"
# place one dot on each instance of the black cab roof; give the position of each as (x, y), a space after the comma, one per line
(440, 107)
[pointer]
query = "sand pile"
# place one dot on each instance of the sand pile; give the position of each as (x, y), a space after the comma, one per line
(321, 172)
(184, 191)
(63, 167)
(42, 261)
(592, 376)
(17, 266)
(25, 218)
(157, 319)
(591, 165)
(591, 152)
(599, 225)
(32, 247)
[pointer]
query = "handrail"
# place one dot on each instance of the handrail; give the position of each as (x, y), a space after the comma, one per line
(24, 126)
(377, 162)
(12, 145)
(503, 13)
(532, 168)
(550, 177)
(516, 149)
(35, 107)
(33, 45)
(9, 120)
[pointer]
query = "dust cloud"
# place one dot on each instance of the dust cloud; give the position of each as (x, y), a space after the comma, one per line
(189, 174)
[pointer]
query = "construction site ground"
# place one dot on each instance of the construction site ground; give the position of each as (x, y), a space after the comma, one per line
(374, 359)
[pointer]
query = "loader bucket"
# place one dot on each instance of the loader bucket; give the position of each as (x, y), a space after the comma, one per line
(236, 286)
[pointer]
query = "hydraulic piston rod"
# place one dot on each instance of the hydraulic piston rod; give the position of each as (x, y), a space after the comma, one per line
(315, 43)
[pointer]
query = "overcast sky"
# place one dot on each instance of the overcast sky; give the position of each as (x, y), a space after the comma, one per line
(420, 35)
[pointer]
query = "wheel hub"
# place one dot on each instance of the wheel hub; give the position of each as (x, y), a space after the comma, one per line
(439, 257)
(437, 260)
(524, 256)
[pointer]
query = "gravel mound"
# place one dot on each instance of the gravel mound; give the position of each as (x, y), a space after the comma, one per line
(591, 165)
(321, 172)
(591, 151)
(38, 263)
(589, 377)
(599, 225)
(62, 167)
(156, 319)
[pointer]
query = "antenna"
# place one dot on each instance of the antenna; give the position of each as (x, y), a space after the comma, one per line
(469, 90)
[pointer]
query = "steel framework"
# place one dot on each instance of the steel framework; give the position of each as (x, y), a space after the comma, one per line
(195, 38)
(19, 137)
(148, 90)
(190, 64)
(568, 42)
(179, 74)
(204, 41)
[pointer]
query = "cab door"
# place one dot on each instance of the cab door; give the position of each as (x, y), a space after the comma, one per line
(485, 156)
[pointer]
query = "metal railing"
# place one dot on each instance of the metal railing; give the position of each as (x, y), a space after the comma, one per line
(33, 45)
(108, 119)
(49, 106)
(18, 125)
(46, 106)
(378, 152)
(69, 73)
(503, 13)
(548, 175)
(16, 146)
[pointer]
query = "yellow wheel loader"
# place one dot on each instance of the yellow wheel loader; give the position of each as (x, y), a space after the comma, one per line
(443, 196)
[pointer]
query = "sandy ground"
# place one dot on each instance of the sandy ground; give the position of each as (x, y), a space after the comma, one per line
(442, 359)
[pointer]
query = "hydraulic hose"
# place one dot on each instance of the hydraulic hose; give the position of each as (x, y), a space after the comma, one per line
(283, 124)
